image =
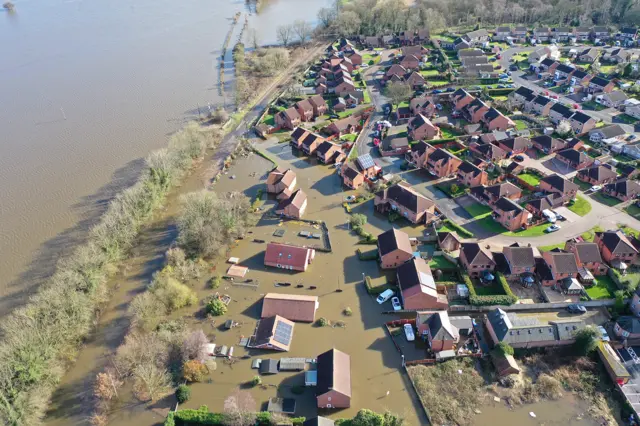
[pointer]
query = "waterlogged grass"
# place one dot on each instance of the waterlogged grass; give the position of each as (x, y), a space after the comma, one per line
(580, 206)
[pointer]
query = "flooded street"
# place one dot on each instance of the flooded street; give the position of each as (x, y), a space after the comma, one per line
(88, 89)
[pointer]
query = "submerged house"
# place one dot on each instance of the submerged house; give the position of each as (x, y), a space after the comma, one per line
(333, 389)
(273, 333)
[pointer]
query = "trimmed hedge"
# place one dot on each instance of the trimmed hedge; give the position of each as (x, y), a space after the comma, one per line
(202, 416)
(371, 289)
(458, 228)
(499, 92)
(368, 255)
(499, 299)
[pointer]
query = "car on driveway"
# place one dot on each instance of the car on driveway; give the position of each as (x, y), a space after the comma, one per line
(596, 188)
(518, 158)
(396, 303)
(513, 67)
(408, 332)
(553, 228)
(604, 336)
(364, 66)
(574, 308)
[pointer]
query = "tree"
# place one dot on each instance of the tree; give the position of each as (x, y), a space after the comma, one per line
(183, 393)
(239, 409)
(194, 346)
(151, 382)
(357, 219)
(219, 115)
(503, 348)
(216, 307)
(284, 33)
(398, 92)
(564, 128)
(326, 16)
(107, 385)
(586, 340)
(252, 38)
(194, 371)
(302, 29)
(595, 67)
(368, 418)
(454, 188)
(348, 24)
(620, 305)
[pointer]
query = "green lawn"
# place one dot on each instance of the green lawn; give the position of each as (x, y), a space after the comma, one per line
(626, 119)
(446, 188)
(429, 73)
(488, 289)
(440, 262)
(605, 199)
(551, 247)
(351, 137)
(449, 133)
(627, 230)
(582, 185)
(521, 124)
(633, 210)
(269, 120)
(593, 105)
(603, 288)
(349, 112)
(529, 178)
(590, 234)
(437, 83)
(607, 69)
(580, 206)
(403, 104)
(478, 211)
(534, 231)
(367, 98)
(491, 225)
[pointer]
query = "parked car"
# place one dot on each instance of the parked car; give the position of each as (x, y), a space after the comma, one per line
(553, 228)
(513, 67)
(518, 158)
(350, 198)
(334, 116)
(596, 188)
(364, 66)
(384, 296)
(451, 89)
(436, 91)
(574, 308)
(408, 332)
(604, 336)
(396, 303)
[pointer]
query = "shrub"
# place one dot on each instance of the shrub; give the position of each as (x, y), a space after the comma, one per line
(347, 312)
(183, 393)
(194, 371)
(322, 322)
(357, 220)
(371, 289)
(173, 294)
(256, 381)
(503, 348)
(586, 340)
(215, 281)
(369, 255)
(459, 229)
(216, 307)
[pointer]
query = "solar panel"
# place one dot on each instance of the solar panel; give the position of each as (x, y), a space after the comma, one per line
(283, 333)
(366, 161)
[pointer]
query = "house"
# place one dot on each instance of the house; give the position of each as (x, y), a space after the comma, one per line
(574, 158)
(635, 303)
(581, 123)
(510, 214)
(417, 286)
(627, 327)
(563, 73)
(612, 99)
(477, 37)
(416, 51)
(495, 120)
(344, 126)
(559, 112)
(397, 71)
(600, 34)
(547, 144)
(419, 153)
(448, 241)
(627, 35)
(488, 151)
(351, 177)
(543, 53)
(475, 111)
(329, 152)
(600, 85)
(372, 41)
(394, 145)
(491, 194)
(582, 33)
(538, 205)
(540, 105)
(311, 143)
(345, 45)
(632, 150)
(628, 171)
(476, 259)
(542, 34)
(394, 248)
(403, 113)
(333, 389)
(590, 54)
(305, 110)
(441, 332)
(581, 78)
(521, 260)
(633, 110)
(273, 332)
(501, 33)
(559, 185)
(415, 80)
(562, 34)
(343, 86)
(521, 96)
(287, 256)
(298, 136)
(561, 265)
(470, 53)
(288, 119)
(410, 62)
(422, 105)
(294, 206)
(597, 175)
(442, 163)
(611, 132)
(279, 180)
(587, 256)
(519, 34)
(617, 56)
(319, 105)
(294, 307)
(460, 44)
(421, 128)
(471, 175)
(367, 166)
(355, 58)
(321, 421)
(407, 202)
(548, 65)
(623, 189)
(504, 364)
(461, 98)
(340, 105)
(516, 145)
(615, 248)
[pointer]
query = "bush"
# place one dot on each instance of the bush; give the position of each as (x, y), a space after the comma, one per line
(322, 322)
(586, 340)
(503, 348)
(173, 294)
(459, 229)
(256, 381)
(183, 393)
(347, 312)
(194, 371)
(216, 307)
(215, 281)
(371, 289)
(357, 220)
(369, 255)
(506, 299)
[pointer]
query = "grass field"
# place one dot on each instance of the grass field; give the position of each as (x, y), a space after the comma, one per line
(530, 179)
(437, 83)
(534, 231)
(493, 289)
(551, 247)
(580, 206)
(429, 73)
(269, 120)
(351, 137)
(603, 289)
(449, 133)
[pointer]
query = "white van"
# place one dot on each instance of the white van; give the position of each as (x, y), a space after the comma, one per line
(549, 215)
(384, 296)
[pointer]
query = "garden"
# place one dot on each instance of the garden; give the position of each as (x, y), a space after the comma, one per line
(604, 288)
(633, 210)
(580, 206)
(530, 178)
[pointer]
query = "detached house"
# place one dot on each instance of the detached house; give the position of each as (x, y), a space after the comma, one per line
(309, 144)
(581, 123)
(407, 202)
(410, 62)
(287, 256)
(574, 159)
(581, 78)
(396, 71)
(476, 259)
(589, 55)
(421, 128)
(547, 144)
(441, 332)
(538, 205)
(394, 248)
(351, 176)
(329, 152)
(461, 98)
(491, 194)
(615, 248)
(495, 120)
(448, 241)
(333, 388)
(521, 96)
(617, 56)
(561, 265)
(288, 119)
(422, 105)
(613, 132)
(612, 99)
(294, 206)
(516, 145)
(597, 175)
(559, 185)
(319, 105)
(417, 286)
(563, 73)
(415, 80)
(442, 163)
(488, 151)
(588, 257)
(305, 110)
(510, 214)
(521, 260)
(280, 180)
(623, 189)
(471, 175)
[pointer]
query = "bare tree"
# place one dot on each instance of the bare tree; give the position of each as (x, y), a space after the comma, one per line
(107, 385)
(284, 34)
(398, 92)
(194, 346)
(151, 382)
(239, 409)
(348, 23)
(326, 16)
(564, 128)
(252, 38)
(302, 30)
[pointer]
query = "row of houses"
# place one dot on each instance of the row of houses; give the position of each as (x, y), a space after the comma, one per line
(564, 34)
(404, 38)
(475, 110)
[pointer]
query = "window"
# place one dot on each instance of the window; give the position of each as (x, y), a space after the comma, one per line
(329, 399)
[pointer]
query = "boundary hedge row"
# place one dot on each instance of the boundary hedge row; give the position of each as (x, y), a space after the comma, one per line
(458, 228)
(203, 417)
(498, 299)
(371, 289)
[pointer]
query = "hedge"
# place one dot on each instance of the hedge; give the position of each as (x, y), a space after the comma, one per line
(499, 299)
(505, 286)
(368, 255)
(202, 416)
(371, 289)
(499, 92)
(458, 228)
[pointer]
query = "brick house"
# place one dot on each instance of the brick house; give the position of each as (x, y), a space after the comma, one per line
(540, 105)
(419, 153)
(561, 265)
(475, 111)
(547, 144)
(394, 248)
(510, 214)
(521, 260)
(298, 136)
(442, 163)
(563, 73)
(588, 256)
(615, 247)
(581, 123)
(344, 126)
(476, 259)
(422, 105)
(396, 70)
(367, 166)
(448, 241)
(351, 177)
(600, 85)
(333, 388)
(288, 119)
(516, 145)
(612, 132)
(421, 128)
(612, 99)
(471, 175)
(597, 175)
(590, 54)
(287, 256)
(311, 143)
(581, 78)
(574, 158)
(495, 120)
(488, 151)
(559, 185)
(442, 332)
(417, 286)
(305, 110)
(294, 206)
(491, 194)
(538, 205)
(319, 105)
(279, 180)
(623, 189)
(461, 98)
(521, 96)
(627, 327)
(415, 80)
(329, 152)
(265, 334)
(407, 202)
(559, 112)
(410, 62)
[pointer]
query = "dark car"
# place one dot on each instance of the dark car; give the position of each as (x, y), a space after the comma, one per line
(451, 89)
(436, 91)
(574, 308)
(334, 116)
(513, 67)
(518, 158)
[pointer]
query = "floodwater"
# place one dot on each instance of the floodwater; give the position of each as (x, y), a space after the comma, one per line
(88, 88)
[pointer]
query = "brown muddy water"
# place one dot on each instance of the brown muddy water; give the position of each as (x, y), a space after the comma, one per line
(88, 88)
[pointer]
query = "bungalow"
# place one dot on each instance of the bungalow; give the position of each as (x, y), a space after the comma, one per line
(470, 53)
(587, 256)
(562, 34)
(519, 34)
(521, 96)
(559, 112)
(448, 241)
(351, 177)
(590, 54)
(597, 175)
(273, 333)
(516, 145)
(542, 53)
(442, 163)
(415, 80)
(615, 248)
(329, 152)
(421, 128)
(417, 286)
(410, 62)
(288, 119)
(394, 248)
(488, 151)
(461, 98)
(419, 153)
(279, 180)
(442, 332)
(547, 144)
(294, 206)
(476, 259)
(582, 33)
(600, 85)
(607, 133)
(632, 150)
(395, 70)
(477, 37)
(471, 175)
(344, 126)
(581, 123)
(520, 260)
(574, 158)
(501, 33)
(510, 214)
(422, 105)
(495, 120)
(540, 105)
(371, 41)
(623, 189)
(294, 307)
(287, 256)
(561, 265)
(632, 108)
(333, 388)
(319, 105)
(474, 61)
(475, 111)
(600, 34)
(559, 185)
(407, 202)
(305, 110)
(612, 99)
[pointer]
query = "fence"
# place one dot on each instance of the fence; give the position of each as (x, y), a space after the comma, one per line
(533, 306)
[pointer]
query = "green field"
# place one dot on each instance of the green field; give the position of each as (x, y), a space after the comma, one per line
(604, 288)
(351, 137)
(429, 73)
(437, 83)
(492, 289)
(551, 247)
(580, 206)
(529, 178)
(449, 133)
(269, 120)
(534, 231)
